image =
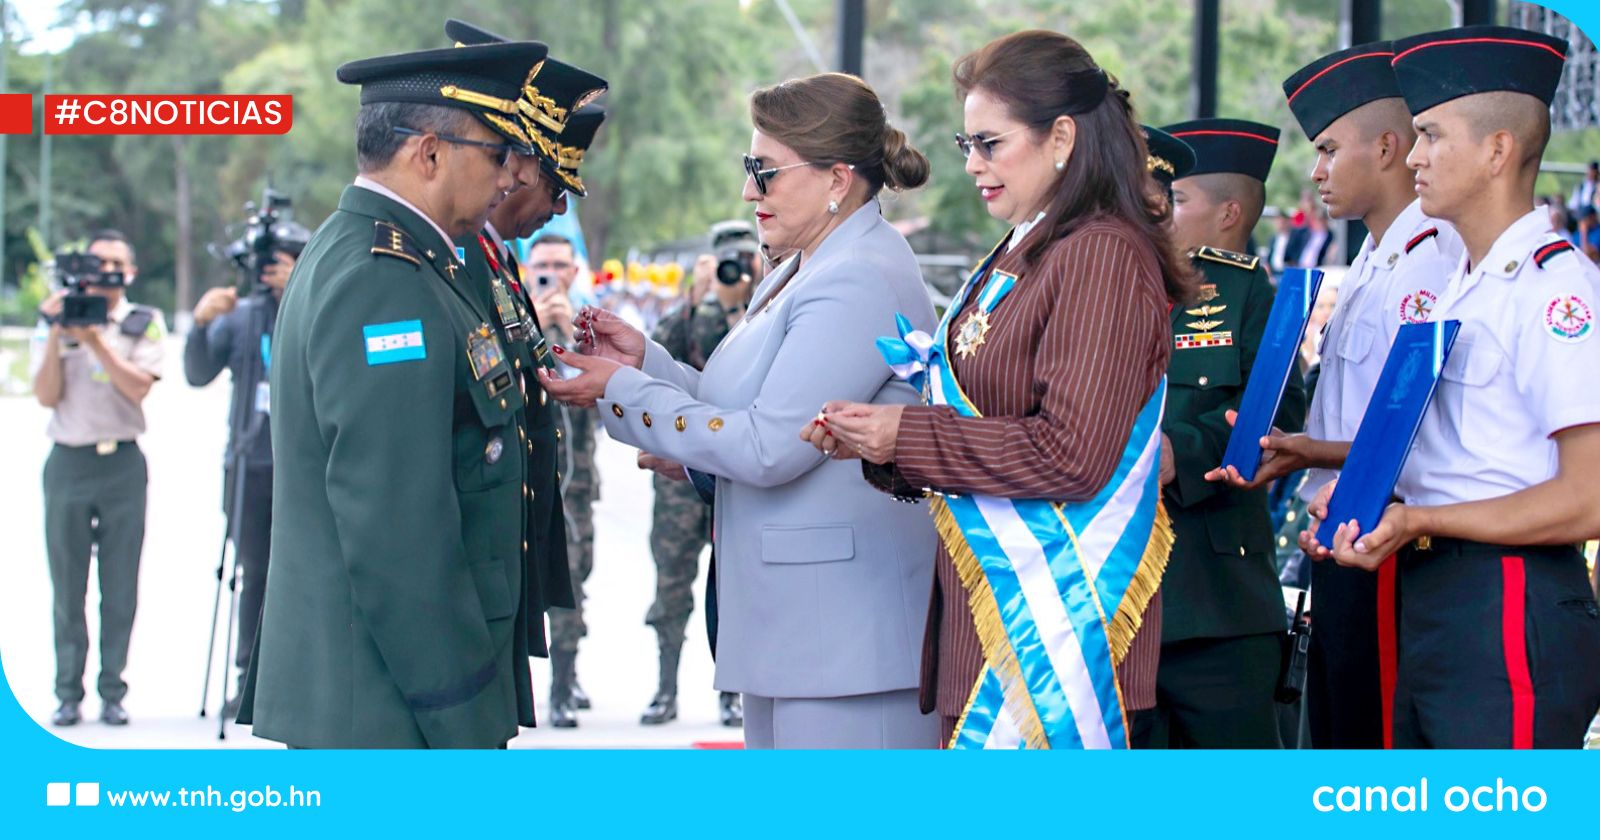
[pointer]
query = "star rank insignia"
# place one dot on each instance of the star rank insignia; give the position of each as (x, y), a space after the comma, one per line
(972, 334)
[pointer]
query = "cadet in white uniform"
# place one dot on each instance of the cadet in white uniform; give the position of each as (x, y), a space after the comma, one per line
(1499, 633)
(1349, 105)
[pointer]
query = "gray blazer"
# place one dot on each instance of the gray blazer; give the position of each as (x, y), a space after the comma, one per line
(822, 581)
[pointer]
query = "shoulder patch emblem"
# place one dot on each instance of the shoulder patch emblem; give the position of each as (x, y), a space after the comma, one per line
(1417, 306)
(1569, 319)
(1236, 260)
(1549, 252)
(1421, 238)
(391, 241)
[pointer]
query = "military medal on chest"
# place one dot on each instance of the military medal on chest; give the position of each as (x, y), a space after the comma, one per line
(971, 334)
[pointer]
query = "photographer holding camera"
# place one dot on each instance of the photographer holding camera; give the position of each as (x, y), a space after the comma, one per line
(94, 358)
(236, 334)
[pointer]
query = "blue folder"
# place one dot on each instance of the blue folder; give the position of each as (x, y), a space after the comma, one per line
(1280, 348)
(1406, 386)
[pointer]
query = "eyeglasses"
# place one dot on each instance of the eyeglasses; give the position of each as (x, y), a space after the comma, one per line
(502, 151)
(984, 145)
(752, 168)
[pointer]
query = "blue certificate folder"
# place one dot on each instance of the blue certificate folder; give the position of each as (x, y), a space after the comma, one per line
(1280, 347)
(1410, 375)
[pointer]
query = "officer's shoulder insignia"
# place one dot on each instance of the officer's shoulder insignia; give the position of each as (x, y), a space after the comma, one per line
(140, 322)
(1229, 258)
(1550, 251)
(1420, 238)
(390, 241)
(1568, 318)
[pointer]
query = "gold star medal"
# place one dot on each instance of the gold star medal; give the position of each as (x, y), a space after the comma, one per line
(972, 333)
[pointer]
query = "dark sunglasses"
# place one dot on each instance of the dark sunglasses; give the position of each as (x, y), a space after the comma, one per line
(984, 145)
(501, 151)
(752, 168)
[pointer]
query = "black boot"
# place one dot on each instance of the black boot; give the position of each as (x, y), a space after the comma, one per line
(112, 714)
(663, 707)
(580, 698)
(67, 714)
(563, 714)
(732, 708)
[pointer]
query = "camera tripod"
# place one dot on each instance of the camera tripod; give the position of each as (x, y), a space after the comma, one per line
(243, 440)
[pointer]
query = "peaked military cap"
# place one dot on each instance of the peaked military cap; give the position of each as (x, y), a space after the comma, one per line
(1436, 67)
(576, 140)
(1170, 158)
(1334, 85)
(551, 93)
(486, 80)
(1229, 146)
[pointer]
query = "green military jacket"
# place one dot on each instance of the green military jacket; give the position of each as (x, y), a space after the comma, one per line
(548, 580)
(1221, 580)
(391, 608)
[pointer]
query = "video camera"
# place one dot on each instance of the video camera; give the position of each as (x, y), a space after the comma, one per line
(736, 246)
(78, 272)
(268, 229)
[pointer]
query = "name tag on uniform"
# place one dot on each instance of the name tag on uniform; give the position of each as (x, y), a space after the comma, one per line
(397, 341)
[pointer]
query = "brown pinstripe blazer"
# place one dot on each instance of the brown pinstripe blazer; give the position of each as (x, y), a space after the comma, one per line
(1071, 356)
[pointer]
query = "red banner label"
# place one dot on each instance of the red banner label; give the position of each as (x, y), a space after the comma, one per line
(180, 114)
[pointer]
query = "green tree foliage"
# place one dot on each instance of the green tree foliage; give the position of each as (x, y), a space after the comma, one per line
(666, 163)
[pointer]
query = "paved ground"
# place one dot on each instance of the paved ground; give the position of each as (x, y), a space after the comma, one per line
(177, 584)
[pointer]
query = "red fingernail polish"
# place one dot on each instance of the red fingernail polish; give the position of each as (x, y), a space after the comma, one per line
(559, 350)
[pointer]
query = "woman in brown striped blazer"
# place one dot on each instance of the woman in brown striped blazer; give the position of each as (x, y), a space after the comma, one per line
(1069, 358)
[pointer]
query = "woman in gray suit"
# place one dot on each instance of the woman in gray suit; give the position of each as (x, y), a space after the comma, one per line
(822, 582)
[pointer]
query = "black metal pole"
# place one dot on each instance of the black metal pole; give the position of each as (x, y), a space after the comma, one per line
(852, 35)
(1361, 23)
(1207, 44)
(1477, 12)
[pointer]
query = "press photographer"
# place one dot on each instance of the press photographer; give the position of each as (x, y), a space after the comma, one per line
(233, 331)
(93, 359)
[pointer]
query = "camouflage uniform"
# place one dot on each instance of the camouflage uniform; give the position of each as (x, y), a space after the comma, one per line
(580, 488)
(680, 526)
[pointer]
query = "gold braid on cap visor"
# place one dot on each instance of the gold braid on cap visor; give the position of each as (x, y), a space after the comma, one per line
(1153, 163)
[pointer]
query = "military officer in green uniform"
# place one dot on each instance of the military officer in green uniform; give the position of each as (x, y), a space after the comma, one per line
(1222, 618)
(680, 524)
(558, 126)
(392, 615)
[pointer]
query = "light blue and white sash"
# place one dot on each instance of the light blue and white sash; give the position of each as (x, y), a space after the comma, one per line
(1056, 589)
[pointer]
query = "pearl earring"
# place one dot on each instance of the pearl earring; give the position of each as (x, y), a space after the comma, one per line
(1061, 165)
(833, 207)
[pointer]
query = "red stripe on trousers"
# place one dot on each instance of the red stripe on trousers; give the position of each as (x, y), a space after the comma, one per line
(1514, 638)
(1388, 650)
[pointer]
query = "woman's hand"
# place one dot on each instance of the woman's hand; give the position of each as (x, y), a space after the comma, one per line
(589, 385)
(663, 467)
(817, 433)
(602, 334)
(870, 430)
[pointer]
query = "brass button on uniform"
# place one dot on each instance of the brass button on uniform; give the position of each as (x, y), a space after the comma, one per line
(680, 424)
(1241, 551)
(617, 410)
(524, 545)
(1511, 266)
(715, 425)
(502, 402)
(1393, 258)
(1204, 380)
(558, 434)
(543, 398)
(516, 363)
(647, 421)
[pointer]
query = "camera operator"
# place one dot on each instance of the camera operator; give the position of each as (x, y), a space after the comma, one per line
(236, 334)
(93, 374)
